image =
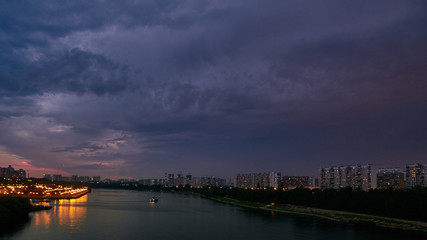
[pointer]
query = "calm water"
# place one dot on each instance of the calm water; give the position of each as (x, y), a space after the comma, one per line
(120, 214)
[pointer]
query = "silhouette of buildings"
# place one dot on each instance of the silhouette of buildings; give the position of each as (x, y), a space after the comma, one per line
(416, 175)
(355, 176)
(10, 172)
(390, 178)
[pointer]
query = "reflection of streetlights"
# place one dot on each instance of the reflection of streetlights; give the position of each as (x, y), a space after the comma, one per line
(71, 212)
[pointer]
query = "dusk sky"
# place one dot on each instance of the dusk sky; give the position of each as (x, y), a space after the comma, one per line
(139, 88)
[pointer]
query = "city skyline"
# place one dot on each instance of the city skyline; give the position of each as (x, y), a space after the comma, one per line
(341, 176)
(364, 177)
(138, 88)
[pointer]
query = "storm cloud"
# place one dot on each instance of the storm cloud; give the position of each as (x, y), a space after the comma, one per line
(136, 89)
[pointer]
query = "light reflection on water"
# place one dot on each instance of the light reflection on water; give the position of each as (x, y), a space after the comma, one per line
(69, 213)
(42, 219)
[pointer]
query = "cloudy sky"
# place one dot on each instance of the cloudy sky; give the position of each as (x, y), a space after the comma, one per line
(139, 88)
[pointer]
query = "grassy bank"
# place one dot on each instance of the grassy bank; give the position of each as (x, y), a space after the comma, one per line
(353, 218)
(332, 215)
(238, 202)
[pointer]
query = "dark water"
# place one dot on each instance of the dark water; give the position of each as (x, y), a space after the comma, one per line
(120, 214)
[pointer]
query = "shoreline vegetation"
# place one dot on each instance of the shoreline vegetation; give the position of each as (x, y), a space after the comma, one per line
(14, 213)
(393, 209)
(332, 215)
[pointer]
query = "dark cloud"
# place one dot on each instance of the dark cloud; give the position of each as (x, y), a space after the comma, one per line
(82, 146)
(53, 19)
(75, 71)
(213, 87)
(82, 72)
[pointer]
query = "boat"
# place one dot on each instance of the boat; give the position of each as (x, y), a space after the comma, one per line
(154, 199)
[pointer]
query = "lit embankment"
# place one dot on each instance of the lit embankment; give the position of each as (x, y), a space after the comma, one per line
(42, 191)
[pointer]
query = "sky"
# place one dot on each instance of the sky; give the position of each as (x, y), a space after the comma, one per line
(134, 89)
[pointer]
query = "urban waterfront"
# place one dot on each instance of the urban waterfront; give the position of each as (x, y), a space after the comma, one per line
(123, 214)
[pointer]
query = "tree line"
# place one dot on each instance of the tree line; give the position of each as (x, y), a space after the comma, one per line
(408, 204)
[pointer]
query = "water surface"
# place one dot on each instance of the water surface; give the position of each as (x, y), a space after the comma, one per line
(122, 214)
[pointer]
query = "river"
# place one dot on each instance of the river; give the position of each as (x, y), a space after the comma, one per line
(122, 214)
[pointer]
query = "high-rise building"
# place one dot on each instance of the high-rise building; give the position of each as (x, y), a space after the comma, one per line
(57, 177)
(354, 176)
(390, 178)
(261, 180)
(244, 180)
(180, 180)
(74, 178)
(10, 172)
(207, 181)
(275, 179)
(188, 178)
(258, 180)
(84, 179)
(21, 174)
(47, 177)
(315, 182)
(416, 175)
(146, 182)
(2, 172)
(290, 182)
(171, 180)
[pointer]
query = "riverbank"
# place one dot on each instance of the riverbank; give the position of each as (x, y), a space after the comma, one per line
(51, 197)
(14, 213)
(66, 196)
(332, 215)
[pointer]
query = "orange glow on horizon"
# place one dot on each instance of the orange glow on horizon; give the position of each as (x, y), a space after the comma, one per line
(19, 162)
